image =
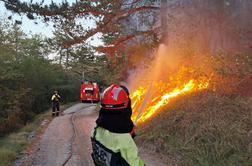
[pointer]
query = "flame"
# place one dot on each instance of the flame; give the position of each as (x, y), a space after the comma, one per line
(160, 94)
(166, 77)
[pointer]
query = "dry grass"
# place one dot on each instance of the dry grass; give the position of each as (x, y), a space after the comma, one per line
(13, 144)
(203, 129)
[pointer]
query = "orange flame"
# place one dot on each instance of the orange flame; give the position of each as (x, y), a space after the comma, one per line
(160, 96)
(152, 90)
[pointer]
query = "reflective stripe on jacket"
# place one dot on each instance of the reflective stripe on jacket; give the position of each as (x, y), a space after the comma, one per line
(122, 143)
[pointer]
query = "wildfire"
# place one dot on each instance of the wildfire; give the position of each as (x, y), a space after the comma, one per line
(166, 77)
(147, 101)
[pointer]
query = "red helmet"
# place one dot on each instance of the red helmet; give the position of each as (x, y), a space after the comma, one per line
(115, 97)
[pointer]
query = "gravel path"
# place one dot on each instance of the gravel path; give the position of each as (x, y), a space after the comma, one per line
(66, 141)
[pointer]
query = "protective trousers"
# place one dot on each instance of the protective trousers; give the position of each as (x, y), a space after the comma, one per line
(55, 109)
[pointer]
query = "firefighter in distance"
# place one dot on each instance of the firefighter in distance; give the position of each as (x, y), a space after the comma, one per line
(55, 104)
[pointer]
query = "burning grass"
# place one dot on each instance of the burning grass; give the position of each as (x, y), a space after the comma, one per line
(189, 110)
(148, 100)
(201, 128)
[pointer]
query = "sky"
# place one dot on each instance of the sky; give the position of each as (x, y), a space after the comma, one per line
(29, 27)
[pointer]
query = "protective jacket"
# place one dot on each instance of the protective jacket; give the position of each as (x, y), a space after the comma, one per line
(55, 98)
(114, 149)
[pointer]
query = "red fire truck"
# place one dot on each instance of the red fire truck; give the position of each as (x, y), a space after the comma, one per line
(89, 92)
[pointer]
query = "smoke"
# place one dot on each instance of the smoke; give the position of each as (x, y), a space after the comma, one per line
(193, 32)
(165, 61)
(159, 69)
(209, 26)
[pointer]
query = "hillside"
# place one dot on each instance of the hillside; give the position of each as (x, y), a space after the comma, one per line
(202, 128)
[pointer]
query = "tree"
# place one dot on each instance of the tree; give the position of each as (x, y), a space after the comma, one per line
(210, 25)
(106, 13)
(28, 78)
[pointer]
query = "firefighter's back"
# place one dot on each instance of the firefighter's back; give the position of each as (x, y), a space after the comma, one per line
(114, 149)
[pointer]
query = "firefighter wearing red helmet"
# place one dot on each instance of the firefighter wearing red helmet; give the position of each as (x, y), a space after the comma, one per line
(112, 142)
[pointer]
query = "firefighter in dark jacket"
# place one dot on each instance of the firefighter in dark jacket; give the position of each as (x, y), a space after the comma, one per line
(55, 104)
(112, 142)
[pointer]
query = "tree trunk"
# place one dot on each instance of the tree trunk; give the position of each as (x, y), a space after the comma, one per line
(60, 58)
(67, 57)
(164, 25)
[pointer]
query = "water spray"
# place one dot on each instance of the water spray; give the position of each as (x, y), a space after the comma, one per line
(146, 98)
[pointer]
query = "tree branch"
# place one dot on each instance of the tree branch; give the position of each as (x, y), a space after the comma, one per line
(116, 45)
(110, 17)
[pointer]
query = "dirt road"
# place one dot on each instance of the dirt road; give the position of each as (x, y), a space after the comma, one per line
(66, 141)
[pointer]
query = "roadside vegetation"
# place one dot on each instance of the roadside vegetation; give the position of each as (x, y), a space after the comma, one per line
(202, 129)
(28, 78)
(210, 127)
(13, 145)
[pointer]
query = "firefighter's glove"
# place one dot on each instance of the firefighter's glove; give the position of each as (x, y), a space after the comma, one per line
(133, 133)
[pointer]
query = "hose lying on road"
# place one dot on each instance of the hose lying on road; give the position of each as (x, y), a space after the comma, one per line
(72, 140)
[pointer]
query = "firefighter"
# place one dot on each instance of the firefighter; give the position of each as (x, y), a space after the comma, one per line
(112, 142)
(55, 104)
